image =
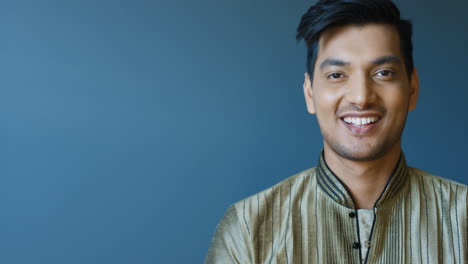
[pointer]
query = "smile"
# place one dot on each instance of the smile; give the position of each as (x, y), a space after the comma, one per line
(361, 121)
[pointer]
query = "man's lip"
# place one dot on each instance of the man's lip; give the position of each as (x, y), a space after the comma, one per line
(361, 115)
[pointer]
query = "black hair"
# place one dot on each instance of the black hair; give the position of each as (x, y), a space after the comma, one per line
(329, 13)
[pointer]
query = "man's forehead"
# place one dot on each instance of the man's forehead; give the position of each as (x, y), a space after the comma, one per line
(369, 42)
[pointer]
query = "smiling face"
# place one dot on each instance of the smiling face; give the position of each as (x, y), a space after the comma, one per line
(360, 91)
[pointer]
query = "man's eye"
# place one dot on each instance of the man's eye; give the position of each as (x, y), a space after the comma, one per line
(335, 75)
(385, 73)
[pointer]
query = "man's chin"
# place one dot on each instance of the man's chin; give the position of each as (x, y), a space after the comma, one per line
(360, 154)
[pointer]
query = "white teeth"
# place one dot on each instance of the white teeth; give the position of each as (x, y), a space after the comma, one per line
(360, 121)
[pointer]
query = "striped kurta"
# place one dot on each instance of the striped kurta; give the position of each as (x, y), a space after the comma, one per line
(310, 217)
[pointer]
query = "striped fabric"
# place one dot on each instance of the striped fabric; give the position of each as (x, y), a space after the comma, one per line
(311, 218)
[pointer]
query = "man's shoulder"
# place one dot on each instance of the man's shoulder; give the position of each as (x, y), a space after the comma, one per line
(286, 189)
(425, 176)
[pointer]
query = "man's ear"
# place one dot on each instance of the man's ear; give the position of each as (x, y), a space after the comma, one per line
(414, 89)
(308, 94)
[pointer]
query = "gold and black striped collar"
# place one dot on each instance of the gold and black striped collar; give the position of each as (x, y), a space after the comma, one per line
(335, 189)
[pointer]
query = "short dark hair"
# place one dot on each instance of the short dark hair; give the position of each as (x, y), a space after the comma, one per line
(329, 13)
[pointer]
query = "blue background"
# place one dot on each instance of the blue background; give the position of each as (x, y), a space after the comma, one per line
(128, 127)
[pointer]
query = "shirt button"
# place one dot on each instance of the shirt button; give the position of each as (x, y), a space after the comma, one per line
(356, 245)
(352, 214)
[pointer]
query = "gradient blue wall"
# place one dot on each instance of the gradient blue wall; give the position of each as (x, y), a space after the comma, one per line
(128, 127)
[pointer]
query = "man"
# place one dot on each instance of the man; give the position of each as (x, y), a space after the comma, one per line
(361, 203)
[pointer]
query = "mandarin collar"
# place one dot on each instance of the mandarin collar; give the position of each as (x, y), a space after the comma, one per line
(335, 189)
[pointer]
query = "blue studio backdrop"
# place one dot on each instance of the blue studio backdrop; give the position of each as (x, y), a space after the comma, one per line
(129, 126)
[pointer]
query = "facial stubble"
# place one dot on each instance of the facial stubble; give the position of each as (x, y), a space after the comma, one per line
(373, 152)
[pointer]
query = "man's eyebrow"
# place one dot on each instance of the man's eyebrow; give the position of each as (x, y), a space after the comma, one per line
(386, 59)
(333, 62)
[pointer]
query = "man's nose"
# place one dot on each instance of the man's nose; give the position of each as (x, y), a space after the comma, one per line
(360, 91)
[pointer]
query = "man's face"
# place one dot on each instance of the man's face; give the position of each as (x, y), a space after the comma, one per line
(360, 91)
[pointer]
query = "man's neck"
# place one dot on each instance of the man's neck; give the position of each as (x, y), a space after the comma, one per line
(365, 180)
